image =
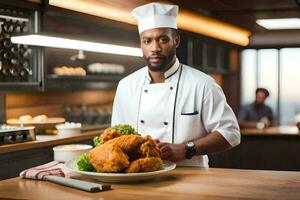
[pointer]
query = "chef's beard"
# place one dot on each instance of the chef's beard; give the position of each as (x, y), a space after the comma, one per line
(165, 61)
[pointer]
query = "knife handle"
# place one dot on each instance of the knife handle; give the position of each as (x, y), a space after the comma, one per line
(79, 184)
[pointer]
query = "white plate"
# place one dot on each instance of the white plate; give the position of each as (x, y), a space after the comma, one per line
(121, 177)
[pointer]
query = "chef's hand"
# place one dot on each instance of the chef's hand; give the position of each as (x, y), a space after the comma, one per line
(171, 152)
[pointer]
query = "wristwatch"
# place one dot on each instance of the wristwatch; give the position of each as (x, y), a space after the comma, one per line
(190, 150)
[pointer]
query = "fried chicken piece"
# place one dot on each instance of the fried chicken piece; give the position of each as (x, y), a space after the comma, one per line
(149, 148)
(147, 164)
(136, 146)
(108, 158)
(128, 143)
(131, 152)
(109, 134)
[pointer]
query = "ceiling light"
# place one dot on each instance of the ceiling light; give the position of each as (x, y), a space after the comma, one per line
(47, 41)
(280, 23)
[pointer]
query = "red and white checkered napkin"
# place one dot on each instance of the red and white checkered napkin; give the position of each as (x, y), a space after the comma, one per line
(53, 168)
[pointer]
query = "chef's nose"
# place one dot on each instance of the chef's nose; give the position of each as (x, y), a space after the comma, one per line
(155, 47)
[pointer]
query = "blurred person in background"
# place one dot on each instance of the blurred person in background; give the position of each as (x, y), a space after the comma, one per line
(257, 114)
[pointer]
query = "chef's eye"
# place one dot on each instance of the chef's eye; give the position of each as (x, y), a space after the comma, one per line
(146, 41)
(163, 39)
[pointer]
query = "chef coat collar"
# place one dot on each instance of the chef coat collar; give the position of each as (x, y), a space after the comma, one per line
(171, 71)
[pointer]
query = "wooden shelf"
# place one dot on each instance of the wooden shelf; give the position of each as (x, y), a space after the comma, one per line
(87, 78)
(101, 81)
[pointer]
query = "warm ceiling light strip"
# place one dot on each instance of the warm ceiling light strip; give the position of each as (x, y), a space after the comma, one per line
(212, 28)
(96, 8)
(186, 20)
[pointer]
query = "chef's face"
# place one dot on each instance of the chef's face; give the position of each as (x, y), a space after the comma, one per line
(159, 47)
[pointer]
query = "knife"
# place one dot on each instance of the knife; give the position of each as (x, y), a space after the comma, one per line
(78, 184)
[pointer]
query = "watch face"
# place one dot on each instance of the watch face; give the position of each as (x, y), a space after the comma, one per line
(190, 150)
(190, 144)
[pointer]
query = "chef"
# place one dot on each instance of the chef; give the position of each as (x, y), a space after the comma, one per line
(181, 107)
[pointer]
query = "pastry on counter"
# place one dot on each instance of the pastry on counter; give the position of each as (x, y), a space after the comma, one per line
(69, 71)
(25, 118)
(42, 123)
(40, 118)
(30, 119)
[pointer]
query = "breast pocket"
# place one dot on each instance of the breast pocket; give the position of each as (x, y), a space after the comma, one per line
(188, 127)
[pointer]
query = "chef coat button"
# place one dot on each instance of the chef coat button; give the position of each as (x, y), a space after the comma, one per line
(166, 123)
(171, 88)
(142, 121)
(146, 91)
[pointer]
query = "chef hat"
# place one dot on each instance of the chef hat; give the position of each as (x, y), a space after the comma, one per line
(155, 15)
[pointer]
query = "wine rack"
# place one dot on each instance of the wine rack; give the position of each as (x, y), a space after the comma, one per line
(20, 65)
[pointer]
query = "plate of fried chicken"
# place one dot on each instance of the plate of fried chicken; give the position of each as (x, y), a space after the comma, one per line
(121, 155)
(122, 177)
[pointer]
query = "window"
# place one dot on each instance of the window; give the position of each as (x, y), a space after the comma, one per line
(248, 70)
(289, 84)
(267, 75)
(278, 71)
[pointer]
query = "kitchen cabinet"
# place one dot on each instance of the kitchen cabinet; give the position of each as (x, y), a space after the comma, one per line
(205, 54)
(275, 148)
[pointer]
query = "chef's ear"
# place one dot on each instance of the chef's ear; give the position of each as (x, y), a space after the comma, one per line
(177, 40)
(177, 37)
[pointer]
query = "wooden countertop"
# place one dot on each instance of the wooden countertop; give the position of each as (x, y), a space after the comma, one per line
(48, 140)
(272, 131)
(181, 183)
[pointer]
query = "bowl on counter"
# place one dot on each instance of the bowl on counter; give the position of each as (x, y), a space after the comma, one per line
(64, 153)
(69, 128)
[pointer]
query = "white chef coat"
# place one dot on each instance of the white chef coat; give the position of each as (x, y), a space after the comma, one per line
(187, 106)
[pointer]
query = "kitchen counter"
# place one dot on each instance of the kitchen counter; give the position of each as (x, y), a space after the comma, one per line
(48, 140)
(274, 148)
(181, 183)
(272, 131)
